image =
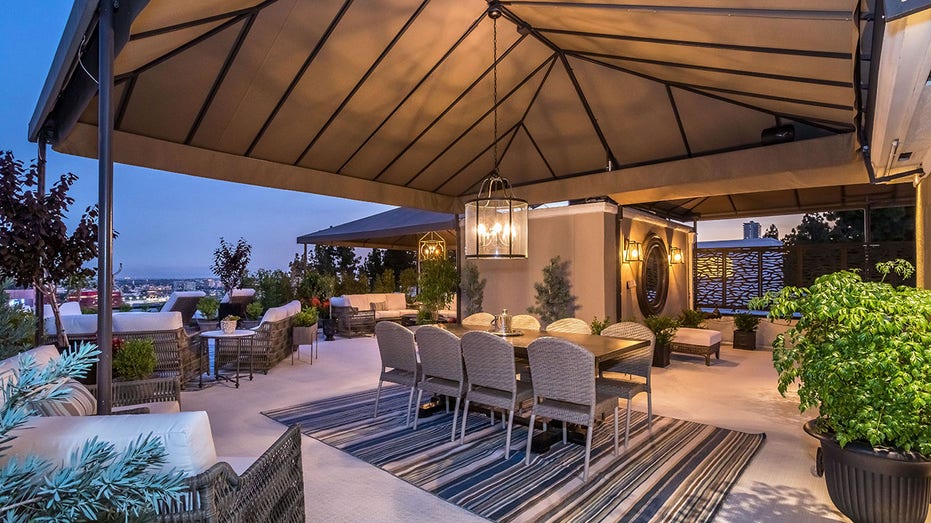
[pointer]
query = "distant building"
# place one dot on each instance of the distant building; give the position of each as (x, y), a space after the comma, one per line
(751, 230)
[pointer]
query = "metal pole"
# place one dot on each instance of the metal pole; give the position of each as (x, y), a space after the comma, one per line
(105, 200)
(39, 300)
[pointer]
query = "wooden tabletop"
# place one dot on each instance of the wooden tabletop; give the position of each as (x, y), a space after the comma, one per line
(603, 347)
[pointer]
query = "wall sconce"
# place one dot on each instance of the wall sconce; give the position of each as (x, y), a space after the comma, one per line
(633, 251)
(675, 256)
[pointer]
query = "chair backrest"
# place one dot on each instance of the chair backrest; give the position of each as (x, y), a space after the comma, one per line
(396, 346)
(571, 325)
(562, 371)
(440, 353)
(479, 319)
(489, 361)
(526, 322)
(639, 362)
(244, 296)
(184, 302)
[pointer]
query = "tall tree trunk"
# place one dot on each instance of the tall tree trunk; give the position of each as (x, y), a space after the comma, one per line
(62, 342)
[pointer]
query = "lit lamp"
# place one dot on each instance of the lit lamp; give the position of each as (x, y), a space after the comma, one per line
(432, 246)
(675, 256)
(495, 221)
(633, 251)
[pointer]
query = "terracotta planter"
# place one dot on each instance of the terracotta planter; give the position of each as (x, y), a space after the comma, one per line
(874, 485)
(228, 326)
(745, 340)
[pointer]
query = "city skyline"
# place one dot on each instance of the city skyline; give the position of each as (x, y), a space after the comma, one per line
(169, 224)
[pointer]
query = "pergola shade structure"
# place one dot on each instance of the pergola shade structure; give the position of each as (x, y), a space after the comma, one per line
(391, 100)
(399, 229)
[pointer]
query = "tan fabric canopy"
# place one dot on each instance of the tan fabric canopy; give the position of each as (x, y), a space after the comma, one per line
(392, 100)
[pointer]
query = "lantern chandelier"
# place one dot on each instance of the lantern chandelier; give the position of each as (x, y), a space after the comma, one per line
(431, 246)
(495, 221)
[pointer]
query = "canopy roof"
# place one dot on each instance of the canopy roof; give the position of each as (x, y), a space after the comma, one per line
(392, 100)
(399, 228)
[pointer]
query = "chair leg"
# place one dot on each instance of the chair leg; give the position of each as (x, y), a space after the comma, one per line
(492, 413)
(377, 395)
(615, 429)
(529, 438)
(507, 440)
(565, 433)
(417, 405)
(452, 436)
(410, 401)
(588, 452)
(627, 425)
(465, 419)
(650, 412)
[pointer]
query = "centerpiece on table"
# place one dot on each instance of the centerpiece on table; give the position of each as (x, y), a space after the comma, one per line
(228, 323)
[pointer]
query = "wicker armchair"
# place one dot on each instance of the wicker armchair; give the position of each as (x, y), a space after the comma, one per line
(570, 325)
(398, 360)
(272, 489)
(525, 322)
(352, 322)
(479, 319)
(131, 396)
(636, 366)
(443, 369)
(173, 352)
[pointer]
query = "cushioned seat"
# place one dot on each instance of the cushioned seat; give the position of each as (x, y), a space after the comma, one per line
(703, 342)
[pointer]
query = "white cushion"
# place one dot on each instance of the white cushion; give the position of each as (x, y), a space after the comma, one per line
(180, 294)
(293, 307)
(73, 324)
(701, 337)
(386, 315)
(275, 314)
(79, 402)
(338, 301)
(186, 437)
(396, 301)
(43, 354)
(147, 321)
(69, 307)
(238, 293)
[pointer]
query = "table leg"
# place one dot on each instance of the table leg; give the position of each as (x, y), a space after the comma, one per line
(238, 359)
(200, 375)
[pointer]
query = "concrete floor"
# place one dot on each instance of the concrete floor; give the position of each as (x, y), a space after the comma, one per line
(738, 392)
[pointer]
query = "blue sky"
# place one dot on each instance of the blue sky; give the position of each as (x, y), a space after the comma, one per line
(169, 224)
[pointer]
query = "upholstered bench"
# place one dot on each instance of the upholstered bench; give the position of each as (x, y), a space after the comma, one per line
(703, 342)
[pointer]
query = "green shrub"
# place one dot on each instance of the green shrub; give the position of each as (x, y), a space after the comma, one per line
(17, 327)
(599, 325)
(746, 322)
(306, 318)
(254, 310)
(691, 318)
(134, 359)
(272, 288)
(208, 306)
(663, 327)
(126, 307)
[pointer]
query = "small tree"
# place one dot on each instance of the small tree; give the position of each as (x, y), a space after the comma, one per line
(35, 247)
(385, 282)
(230, 262)
(437, 284)
(408, 281)
(473, 289)
(554, 299)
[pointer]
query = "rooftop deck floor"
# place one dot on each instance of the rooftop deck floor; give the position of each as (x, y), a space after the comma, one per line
(737, 392)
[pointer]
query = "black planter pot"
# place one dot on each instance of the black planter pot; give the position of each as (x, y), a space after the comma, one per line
(661, 356)
(745, 340)
(874, 485)
(329, 328)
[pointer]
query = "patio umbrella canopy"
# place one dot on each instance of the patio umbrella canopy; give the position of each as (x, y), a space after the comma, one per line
(392, 100)
(399, 229)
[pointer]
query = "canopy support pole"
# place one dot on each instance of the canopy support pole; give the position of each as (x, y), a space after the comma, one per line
(39, 301)
(105, 201)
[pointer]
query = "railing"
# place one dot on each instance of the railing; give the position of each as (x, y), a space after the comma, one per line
(728, 278)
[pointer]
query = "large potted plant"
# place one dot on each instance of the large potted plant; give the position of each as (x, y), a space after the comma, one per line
(745, 325)
(860, 354)
(664, 329)
(437, 284)
(208, 306)
(304, 329)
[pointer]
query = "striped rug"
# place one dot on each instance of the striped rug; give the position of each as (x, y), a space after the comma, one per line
(680, 473)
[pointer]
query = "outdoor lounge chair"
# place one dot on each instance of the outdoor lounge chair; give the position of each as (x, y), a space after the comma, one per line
(184, 302)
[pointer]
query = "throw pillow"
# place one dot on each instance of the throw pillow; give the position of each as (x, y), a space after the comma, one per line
(379, 306)
(81, 402)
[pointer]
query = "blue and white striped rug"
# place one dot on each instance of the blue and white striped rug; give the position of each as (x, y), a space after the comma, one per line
(680, 473)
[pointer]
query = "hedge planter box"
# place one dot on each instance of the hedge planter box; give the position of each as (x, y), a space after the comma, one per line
(874, 485)
(745, 340)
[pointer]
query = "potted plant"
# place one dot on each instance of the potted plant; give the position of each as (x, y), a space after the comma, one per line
(664, 329)
(304, 327)
(133, 359)
(860, 354)
(691, 318)
(228, 323)
(254, 312)
(208, 307)
(437, 284)
(745, 330)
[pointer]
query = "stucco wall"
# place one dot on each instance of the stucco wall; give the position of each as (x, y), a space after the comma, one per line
(582, 234)
(638, 227)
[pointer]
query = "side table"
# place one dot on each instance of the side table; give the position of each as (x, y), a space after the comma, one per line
(240, 336)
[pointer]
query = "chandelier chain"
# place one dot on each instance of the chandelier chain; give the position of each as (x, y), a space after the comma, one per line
(494, 66)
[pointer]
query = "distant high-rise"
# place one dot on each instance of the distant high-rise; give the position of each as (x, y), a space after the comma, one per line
(751, 230)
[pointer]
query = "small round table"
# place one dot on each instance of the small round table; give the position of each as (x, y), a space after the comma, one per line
(240, 335)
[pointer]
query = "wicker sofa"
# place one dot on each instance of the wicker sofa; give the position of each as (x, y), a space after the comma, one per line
(270, 488)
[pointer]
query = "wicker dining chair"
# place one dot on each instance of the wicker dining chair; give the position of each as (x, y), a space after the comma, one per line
(526, 322)
(489, 363)
(570, 325)
(564, 389)
(636, 364)
(479, 319)
(398, 360)
(443, 371)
